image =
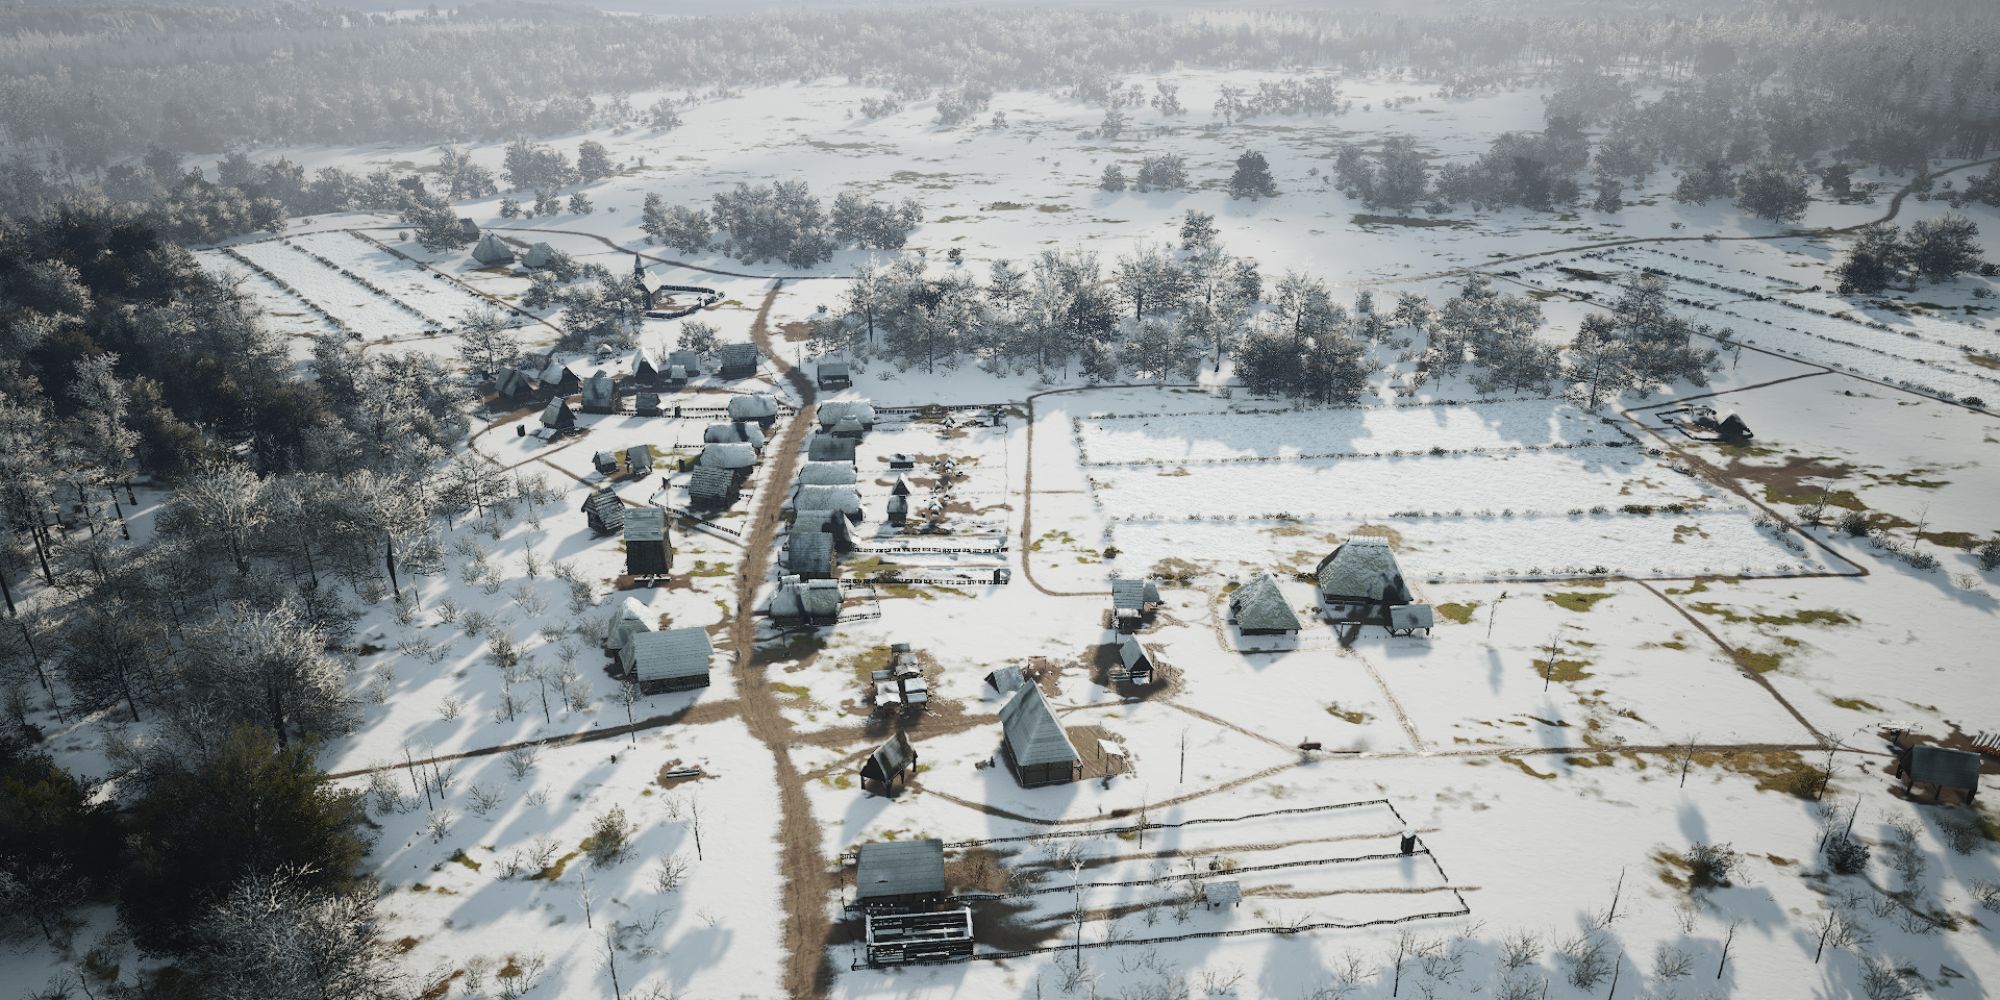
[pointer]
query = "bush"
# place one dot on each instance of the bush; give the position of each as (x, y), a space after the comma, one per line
(1989, 554)
(1846, 855)
(610, 838)
(1855, 524)
(1710, 865)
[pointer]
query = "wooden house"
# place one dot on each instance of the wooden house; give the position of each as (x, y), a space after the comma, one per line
(833, 373)
(826, 474)
(760, 407)
(673, 660)
(646, 369)
(899, 875)
(710, 488)
(648, 550)
(492, 251)
(628, 618)
(558, 416)
(734, 432)
(1260, 608)
(639, 461)
(827, 448)
(737, 361)
(892, 760)
(600, 393)
(1135, 663)
(1359, 580)
(806, 602)
(809, 555)
(738, 460)
(605, 462)
(604, 511)
(1033, 742)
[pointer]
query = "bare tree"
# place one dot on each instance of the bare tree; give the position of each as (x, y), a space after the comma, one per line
(276, 938)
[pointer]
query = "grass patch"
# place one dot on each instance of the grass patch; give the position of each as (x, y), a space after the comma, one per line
(1809, 616)
(1856, 705)
(1175, 570)
(1349, 715)
(1566, 671)
(702, 567)
(461, 857)
(554, 872)
(1762, 663)
(1525, 769)
(1460, 613)
(1781, 771)
(1573, 600)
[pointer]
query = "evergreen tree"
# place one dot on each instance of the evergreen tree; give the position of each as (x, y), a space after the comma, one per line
(1252, 178)
(1873, 262)
(1942, 248)
(593, 162)
(1773, 192)
(1113, 178)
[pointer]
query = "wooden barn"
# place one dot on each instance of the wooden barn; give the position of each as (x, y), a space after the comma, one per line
(892, 760)
(1135, 662)
(827, 448)
(512, 383)
(1132, 601)
(646, 369)
(833, 373)
(646, 404)
(560, 378)
(710, 488)
(809, 501)
(737, 361)
(899, 875)
(1359, 580)
(809, 555)
(1033, 742)
(648, 551)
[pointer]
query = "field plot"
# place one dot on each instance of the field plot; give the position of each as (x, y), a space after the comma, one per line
(369, 313)
(1321, 867)
(438, 298)
(285, 311)
(1934, 355)
(1478, 490)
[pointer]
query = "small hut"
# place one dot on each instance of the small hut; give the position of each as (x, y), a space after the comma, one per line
(1033, 742)
(673, 660)
(605, 462)
(710, 488)
(761, 407)
(468, 230)
(1942, 768)
(1007, 679)
(734, 432)
(1359, 580)
(558, 416)
(600, 393)
(539, 256)
(823, 500)
(737, 361)
(646, 404)
(892, 760)
(833, 373)
(688, 362)
(1730, 429)
(1132, 600)
(604, 511)
(827, 448)
(492, 251)
(510, 383)
(809, 555)
(639, 461)
(806, 602)
(648, 551)
(1260, 608)
(1134, 661)
(897, 510)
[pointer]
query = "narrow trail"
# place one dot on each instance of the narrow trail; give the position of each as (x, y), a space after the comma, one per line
(701, 712)
(803, 865)
(1736, 657)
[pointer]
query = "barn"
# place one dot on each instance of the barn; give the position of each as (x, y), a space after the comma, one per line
(673, 660)
(809, 555)
(899, 875)
(646, 369)
(710, 488)
(558, 416)
(511, 383)
(1362, 572)
(492, 251)
(737, 361)
(560, 378)
(648, 551)
(1032, 740)
(1134, 661)
(1132, 600)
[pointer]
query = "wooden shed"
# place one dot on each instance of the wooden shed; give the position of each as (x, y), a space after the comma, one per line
(899, 875)
(1942, 768)
(1033, 742)
(710, 488)
(737, 361)
(604, 511)
(673, 660)
(600, 393)
(892, 760)
(648, 551)
(833, 373)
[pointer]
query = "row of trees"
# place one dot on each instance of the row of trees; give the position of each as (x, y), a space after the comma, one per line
(1934, 250)
(782, 221)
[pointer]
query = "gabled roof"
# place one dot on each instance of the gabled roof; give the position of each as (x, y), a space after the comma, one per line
(888, 869)
(826, 474)
(1943, 766)
(753, 406)
(643, 360)
(843, 499)
(827, 448)
(638, 457)
(1259, 606)
(860, 411)
(671, 655)
(1134, 594)
(1006, 679)
(1362, 569)
(889, 759)
(556, 371)
(599, 390)
(818, 600)
(737, 356)
(902, 486)
(627, 618)
(511, 382)
(645, 524)
(1033, 732)
(832, 366)
(710, 483)
(739, 432)
(1131, 652)
(728, 456)
(689, 360)
(606, 508)
(539, 255)
(809, 552)
(492, 250)
(558, 414)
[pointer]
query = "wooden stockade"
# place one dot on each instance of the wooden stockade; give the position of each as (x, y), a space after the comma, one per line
(993, 549)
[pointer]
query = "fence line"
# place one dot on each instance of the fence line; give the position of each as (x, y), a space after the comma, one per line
(1185, 876)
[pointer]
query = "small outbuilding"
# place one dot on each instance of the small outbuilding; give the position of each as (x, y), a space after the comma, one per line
(492, 251)
(1033, 742)
(1221, 892)
(558, 416)
(892, 760)
(639, 461)
(646, 404)
(468, 230)
(1410, 619)
(604, 511)
(899, 875)
(539, 256)
(710, 488)
(1942, 768)
(736, 459)
(827, 448)
(627, 619)
(737, 361)
(821, 500)
(600, 393)
(837, 413)
(761, 407)
(648, 551)
(833, 373)
(673, 660)
(605, 462)
(1134, 661)
(1260, 608)
(1132, 600)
